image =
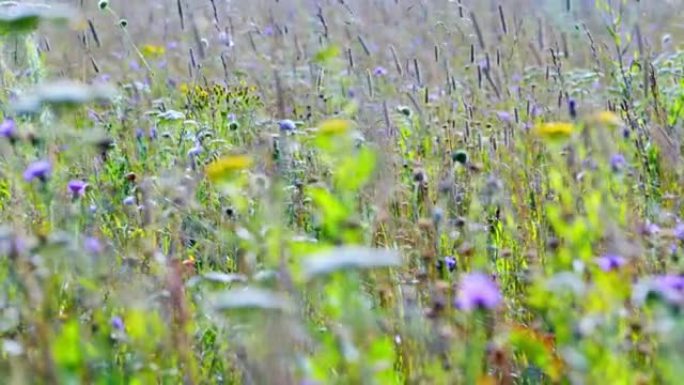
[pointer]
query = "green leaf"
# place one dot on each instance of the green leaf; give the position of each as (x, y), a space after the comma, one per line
(354, 171)
(349, 257)
(326, 54)
(66, 349)
(25, 18)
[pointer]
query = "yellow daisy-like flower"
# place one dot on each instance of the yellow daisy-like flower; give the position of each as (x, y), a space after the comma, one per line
(334, 126)
(554, 130)
(605, 118)
(222, 168)
(152, 51)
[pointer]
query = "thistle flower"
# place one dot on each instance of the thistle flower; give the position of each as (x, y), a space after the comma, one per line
(40, 170)
(610, 262)
(287, 125)
(93, 246)
(77, 188)
(678, 231)
(117, 323)
(8, 129)
(477, 291)
(617, 162)
(504, 116)
(380, 71)
(450, 263)
(572, 108)
(669, 287)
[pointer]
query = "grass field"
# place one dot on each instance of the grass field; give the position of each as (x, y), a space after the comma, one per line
(300, 192)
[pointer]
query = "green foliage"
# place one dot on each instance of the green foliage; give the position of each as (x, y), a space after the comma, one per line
(353, 193)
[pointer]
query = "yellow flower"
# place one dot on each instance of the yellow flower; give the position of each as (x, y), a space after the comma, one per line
(605, 118)
(554, 130)
(152, 51)
(334, 126)
(184, 88)
(224, 167)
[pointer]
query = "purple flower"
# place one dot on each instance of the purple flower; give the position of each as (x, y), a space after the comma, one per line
(77, 188)
(139, 133)
(117, 323)
(572, 108)
(40, 170)
(504, 116)
(450, 263)
(380, 71)
(8, 129)
(617, 162)
(477, 291)
(651, 229)
(678, 231)
(610, 262)
(670, 287)
(129, 201)
(153, 133)
(268, 30)
(103, 78)
(286, 125)
(93, 246)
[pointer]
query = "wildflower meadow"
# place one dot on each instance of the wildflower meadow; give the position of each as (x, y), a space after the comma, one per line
(314, 192)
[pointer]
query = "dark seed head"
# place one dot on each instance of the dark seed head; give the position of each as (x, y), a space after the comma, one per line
(460, 156)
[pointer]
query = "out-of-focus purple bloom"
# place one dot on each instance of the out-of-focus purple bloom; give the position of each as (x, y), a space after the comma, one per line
(477, 291)
(380, 71)
(103, 78)
(117, 323)
(610, 262)
(617, 162)
(536, 111)
(172, 45)
(678, 231)
(572, 108)
(268, 30)
(8, 129)
(670, 287)
(93, 246)
(133, 65)
(77, 187)
(129, 201)
(153, 133)
(651, 229)
(92, 209)
(139, 133)
(504, 116)
(287, 125)
(450, 263)
(40, 170)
